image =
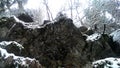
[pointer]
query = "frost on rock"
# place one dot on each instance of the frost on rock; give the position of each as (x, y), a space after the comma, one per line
(107, 63)
(31, 25)
(3, 44)
(9, 59)
(27, 25)
(93, 37)
(116, 36)
(12, 47)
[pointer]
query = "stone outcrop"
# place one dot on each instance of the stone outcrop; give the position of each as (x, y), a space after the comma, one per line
(9, 60)
(100, 48)
(12, 47)
(86, 31)
(25, 17)
(58, 44)
(52, 44)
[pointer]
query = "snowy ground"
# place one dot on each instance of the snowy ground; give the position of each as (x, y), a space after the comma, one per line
(107, 63)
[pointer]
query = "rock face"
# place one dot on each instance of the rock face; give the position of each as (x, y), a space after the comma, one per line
(59, 44)
(52, 44)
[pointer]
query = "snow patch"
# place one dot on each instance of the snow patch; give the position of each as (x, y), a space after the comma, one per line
(116, 36)
(18, 59)
(6, 43)
(27, 25)
(93, 37)
(31, 25)
(108, 15)
(107, 63)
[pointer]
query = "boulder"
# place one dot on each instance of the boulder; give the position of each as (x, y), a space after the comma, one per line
(12, 47)
(25, 17)
(86, 30)
(99, 47)
(115, 37)
(83, 29)
(9, 60)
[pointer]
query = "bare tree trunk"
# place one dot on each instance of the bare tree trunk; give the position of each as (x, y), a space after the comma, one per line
(71, 9)
(104, 29)
(80, 19)
(49, 14)
(20, 5)
(8, 5)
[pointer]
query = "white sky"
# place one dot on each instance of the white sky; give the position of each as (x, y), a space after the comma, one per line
(54, 5)
(57, 6)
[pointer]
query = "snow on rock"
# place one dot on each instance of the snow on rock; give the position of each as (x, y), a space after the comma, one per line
(5, 54)
(6, 43)
(27, 25)
(93, 37)
(12, 47)
(116, 35)
(16, 60)
(107, 63)
(31, 25)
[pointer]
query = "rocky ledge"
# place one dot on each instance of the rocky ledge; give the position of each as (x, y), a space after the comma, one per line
(57, 44)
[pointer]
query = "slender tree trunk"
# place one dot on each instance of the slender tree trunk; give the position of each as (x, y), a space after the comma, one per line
(71, 9)
(80, 19)
(20, 5)
(104, 29)
(49, 14)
